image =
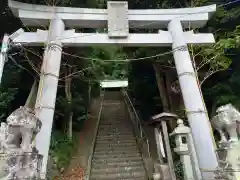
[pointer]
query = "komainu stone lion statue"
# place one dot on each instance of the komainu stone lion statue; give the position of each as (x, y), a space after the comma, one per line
(19, 158)
(227, 121)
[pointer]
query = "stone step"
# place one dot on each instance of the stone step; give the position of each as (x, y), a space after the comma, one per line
(111, 148)
(115, 155)
(115, 137)
(115, 145)
(114, 123)
(112, 133)
(117, 151)
(99, 160)
(117, 129)
(115, 119)
(118, 164)
(114, 127)
(126, 175)
(115, 141)
(121, 169)
(139, 178)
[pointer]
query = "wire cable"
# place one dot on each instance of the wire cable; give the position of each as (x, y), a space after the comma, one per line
(125, 60)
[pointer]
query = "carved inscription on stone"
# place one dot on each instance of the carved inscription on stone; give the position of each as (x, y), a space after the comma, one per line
(117, 19)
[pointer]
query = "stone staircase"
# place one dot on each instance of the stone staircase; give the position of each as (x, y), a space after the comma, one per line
(116, 154)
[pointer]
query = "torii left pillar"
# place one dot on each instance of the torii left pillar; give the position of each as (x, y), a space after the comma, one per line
(47, 90)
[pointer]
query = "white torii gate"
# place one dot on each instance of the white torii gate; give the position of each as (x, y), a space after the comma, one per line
(118, 19)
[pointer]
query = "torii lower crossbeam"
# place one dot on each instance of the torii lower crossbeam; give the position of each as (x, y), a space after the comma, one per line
(70, 39)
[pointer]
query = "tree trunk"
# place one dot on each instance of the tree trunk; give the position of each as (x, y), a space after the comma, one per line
(169, 93)
(89, 92)
(162, 90)
(68, 93)
(213, 109)
(70, 121)
(31, 100)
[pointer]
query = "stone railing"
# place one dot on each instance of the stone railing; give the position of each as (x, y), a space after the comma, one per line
(140, 134)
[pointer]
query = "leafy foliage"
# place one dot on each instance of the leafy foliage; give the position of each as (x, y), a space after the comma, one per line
(62, 148)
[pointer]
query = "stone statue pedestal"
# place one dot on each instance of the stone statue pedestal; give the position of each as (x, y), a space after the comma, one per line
(19, 159)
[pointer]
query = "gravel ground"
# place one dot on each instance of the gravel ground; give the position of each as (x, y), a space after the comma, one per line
(75, 174)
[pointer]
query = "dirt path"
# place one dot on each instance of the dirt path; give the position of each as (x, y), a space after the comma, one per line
(79, 161)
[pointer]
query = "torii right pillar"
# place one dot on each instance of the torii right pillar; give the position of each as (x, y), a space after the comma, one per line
(194, 103)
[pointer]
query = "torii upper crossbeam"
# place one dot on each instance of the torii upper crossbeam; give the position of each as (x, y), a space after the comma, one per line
(98, 18)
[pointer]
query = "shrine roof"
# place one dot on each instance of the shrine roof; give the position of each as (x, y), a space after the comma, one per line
(114, 83)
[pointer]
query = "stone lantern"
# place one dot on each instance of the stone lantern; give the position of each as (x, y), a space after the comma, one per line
(185, 149)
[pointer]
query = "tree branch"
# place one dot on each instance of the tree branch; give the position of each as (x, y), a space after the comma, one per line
(210, 74)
